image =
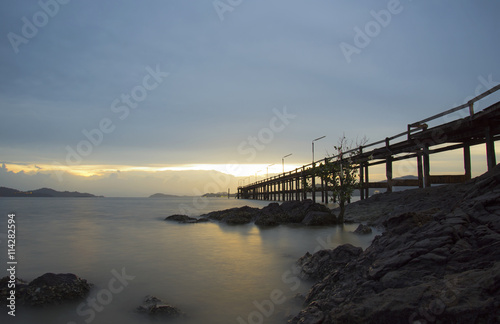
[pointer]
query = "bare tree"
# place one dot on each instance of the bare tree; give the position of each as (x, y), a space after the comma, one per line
(341, 172)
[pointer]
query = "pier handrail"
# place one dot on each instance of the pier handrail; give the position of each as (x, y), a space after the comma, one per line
(469, 104)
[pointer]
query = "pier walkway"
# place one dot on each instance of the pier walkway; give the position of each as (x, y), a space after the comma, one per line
(418, 142)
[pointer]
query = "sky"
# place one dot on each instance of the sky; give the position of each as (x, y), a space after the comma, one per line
(130, 98)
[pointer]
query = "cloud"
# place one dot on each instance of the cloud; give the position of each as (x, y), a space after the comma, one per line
(227, 76)
(123, 183)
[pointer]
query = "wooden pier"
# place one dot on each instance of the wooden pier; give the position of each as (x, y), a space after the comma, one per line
(418, 142)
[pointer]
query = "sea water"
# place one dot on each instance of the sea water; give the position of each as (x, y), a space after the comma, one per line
(215, 273)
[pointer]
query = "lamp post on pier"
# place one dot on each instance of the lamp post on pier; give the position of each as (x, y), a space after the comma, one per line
(314, 140)
(267, 176)
(313, 176)
(256, 175)
(283, 161)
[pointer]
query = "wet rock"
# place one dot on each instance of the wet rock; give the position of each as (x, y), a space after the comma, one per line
(319, 218)
(325, 262)
(296, 211)
(47, 289)
(290, 212)
(53, 288)
(363, 229)
(234, 216)
(156, 307)
(271, 215)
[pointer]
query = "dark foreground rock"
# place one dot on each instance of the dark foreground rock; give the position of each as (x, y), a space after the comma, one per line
(437, 264)
(291, 212)
(156, 307)
(47, 289)
(363, 229)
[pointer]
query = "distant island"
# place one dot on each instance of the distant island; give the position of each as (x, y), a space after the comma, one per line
(43, 192)
(161, 195)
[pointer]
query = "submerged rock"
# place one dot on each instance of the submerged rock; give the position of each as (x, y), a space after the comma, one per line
(154, 306)
(185, 219)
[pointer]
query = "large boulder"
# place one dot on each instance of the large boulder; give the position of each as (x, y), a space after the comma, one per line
(319, 218)
(295, 212)
(234, 216)
(271, 215)
(290, 212)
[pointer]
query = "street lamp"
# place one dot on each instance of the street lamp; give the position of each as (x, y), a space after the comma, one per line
(283, 161)
(268, 170)
(314, 140)
(256, 175)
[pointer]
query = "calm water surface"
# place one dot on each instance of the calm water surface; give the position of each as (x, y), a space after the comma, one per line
(215, 273)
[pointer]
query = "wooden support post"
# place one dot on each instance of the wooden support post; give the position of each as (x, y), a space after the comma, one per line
(361, 182)
(467, 161)
(367, 181)
(322, 190)
(427, 166)
(420, 172)
(388, 173)
(304, 184)
(490, 149)
(288, 189)
(297, 188)
(313, 183)
(388, 167)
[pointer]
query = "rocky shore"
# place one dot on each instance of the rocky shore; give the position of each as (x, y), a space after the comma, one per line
(438, 260)
(290, 212)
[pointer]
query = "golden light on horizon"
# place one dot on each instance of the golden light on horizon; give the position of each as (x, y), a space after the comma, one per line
(237, 170)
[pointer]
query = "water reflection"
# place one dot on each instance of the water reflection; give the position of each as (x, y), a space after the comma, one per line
(214, 272)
